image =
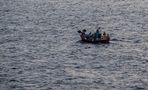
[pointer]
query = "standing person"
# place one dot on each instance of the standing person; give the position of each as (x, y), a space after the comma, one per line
(97, 34)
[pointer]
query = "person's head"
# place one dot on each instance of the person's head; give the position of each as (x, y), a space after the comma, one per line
(104, 33)
(84, 30)
(97, 30)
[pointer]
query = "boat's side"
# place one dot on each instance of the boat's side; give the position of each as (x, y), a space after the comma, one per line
(98, 41)
(102, 40)
(105, 39)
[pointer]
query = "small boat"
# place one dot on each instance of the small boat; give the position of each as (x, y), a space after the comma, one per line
(104, 38)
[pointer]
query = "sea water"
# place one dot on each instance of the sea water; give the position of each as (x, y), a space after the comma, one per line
(40, 47)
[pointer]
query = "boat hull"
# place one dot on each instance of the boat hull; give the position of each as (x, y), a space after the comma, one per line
(98, 41)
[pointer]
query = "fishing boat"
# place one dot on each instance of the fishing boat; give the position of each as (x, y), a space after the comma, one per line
(91, 38)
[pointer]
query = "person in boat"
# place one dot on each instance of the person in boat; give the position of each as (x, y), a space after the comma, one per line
(97, 34)
(83, 35)
(90, 37)
(104, 36)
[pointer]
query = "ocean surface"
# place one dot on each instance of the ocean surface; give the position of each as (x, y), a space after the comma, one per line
(40, 48)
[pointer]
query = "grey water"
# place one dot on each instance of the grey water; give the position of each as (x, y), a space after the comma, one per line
(40, 48)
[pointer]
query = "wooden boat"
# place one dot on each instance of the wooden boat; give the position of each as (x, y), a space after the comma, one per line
(103, 39)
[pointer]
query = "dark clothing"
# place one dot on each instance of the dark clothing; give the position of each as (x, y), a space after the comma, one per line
(97, 35)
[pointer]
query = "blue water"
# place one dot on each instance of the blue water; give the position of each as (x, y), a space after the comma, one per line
(40, 47)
